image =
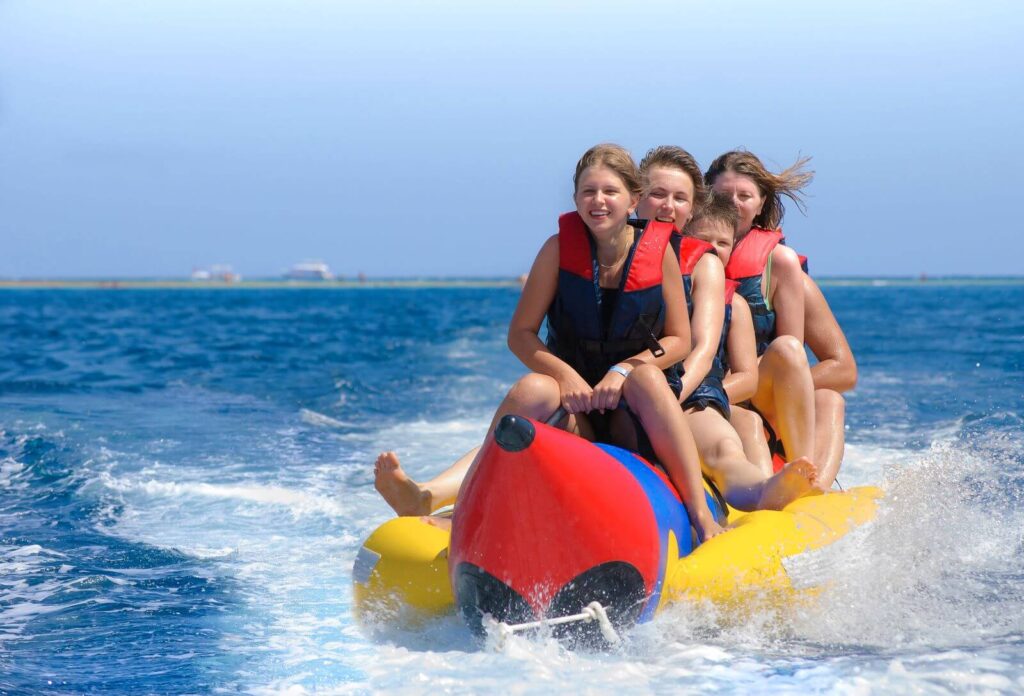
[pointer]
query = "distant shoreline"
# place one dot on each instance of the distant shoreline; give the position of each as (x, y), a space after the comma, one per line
(412, 283)
(130, 284)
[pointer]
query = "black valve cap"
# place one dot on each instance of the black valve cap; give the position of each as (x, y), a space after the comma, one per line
(514, 433)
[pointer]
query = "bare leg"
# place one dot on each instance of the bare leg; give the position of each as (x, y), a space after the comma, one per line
(785, 395)
(650, 398)
(750, 427)
(406, 496)
(534, 396)
(723, 460)
(829, 435)
(743, 484)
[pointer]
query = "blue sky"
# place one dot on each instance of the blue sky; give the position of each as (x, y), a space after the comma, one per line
(403, 138)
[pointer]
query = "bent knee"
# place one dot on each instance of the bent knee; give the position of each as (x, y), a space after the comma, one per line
(828, 399)
(645, 378)
(534, 387)
(746, 422)
(789, 350)
(725, 450)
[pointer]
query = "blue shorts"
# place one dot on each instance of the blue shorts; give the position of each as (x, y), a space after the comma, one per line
(709, 393)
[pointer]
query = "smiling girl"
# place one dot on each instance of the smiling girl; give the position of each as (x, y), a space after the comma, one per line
(617, 326)
(674, 192)
(770, 278)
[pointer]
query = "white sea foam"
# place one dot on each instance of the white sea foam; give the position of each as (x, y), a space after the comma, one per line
(288, 540)
(319, 419)
(9, 468)
(939, 567)
(436, 432)
(918, 578)
(865, 465)
(298, 502)
(25, 587)
(427, 447)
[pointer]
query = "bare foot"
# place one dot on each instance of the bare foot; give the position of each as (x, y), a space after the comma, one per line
(401, 492)
(793, 481)
(707, 527)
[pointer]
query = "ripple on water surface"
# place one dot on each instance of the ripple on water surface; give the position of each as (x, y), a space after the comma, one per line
(185, 479)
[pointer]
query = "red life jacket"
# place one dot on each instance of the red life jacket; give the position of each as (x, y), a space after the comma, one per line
(746, 266)
(690, 250)
(576, 327)
(730, 291)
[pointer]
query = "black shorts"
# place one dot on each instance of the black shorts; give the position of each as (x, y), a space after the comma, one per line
(775, 445)
(600, 423)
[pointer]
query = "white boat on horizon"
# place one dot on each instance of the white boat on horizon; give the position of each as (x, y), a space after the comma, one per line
(309, 270)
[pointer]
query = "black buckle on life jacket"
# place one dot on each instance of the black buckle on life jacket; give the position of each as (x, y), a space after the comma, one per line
(651, 342)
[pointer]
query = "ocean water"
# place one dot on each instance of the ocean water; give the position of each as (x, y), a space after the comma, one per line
(185, 478)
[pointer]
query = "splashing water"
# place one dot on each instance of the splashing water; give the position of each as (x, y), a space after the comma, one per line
(185, 480)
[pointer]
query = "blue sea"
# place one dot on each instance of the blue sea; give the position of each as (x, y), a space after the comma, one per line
(186, 476)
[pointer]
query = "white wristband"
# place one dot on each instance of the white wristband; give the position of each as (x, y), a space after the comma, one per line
(619, 370)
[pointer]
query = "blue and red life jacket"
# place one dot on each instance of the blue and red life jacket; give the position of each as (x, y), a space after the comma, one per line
(577, 330)
(746, 266)
(711, 390)
(690, 250)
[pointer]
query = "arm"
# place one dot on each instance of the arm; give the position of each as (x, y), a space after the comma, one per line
(675, 338)
(524, 341)
(836, 368)
(787, 293)
(741, 381)
(706, 324)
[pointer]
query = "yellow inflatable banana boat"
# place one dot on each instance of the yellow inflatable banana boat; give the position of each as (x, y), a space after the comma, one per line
(551, 523)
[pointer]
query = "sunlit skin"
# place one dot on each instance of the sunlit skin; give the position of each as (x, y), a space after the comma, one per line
(604, 202)
(745, 194)
(785, 393)
(745, 485)
(741, 380)
(668, 196)
(834, 373)
(718, 234)
(785, 291)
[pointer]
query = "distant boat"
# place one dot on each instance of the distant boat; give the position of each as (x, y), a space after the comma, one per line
(218, 273)
(309, 270)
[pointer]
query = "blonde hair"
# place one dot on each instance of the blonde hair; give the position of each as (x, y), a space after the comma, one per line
(616, 158)
(789, 183)
(673, 157)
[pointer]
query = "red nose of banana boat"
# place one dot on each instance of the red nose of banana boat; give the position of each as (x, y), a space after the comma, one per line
(549, 523)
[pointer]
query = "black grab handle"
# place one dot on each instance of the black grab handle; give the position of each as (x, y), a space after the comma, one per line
(558, 415)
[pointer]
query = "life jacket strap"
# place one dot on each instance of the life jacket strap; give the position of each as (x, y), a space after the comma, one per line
(652, 344)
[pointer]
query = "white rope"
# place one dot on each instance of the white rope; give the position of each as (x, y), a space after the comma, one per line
(593, 611)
